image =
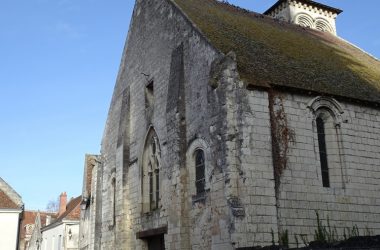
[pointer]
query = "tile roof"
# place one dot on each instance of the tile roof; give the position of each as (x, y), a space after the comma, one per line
(271, 53)
(9, 198)
(72, 213)
(6, 202)
(72, 210)
(29, 218)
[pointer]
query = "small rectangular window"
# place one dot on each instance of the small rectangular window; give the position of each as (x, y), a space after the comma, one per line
(151, 199)
(149, 95)
(199, 171)
(157, 186)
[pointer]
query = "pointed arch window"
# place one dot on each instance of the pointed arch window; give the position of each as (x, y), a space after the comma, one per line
(151, 173)
(200, 179)
(154, 177)
(323, 151)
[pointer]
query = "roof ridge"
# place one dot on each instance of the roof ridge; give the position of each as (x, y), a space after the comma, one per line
(357, 47)
(38, 211)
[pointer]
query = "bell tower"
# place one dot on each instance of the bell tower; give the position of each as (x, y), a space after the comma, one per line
(306, 13)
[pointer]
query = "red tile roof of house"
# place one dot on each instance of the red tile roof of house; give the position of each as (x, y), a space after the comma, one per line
(6, 202)
(72, 210)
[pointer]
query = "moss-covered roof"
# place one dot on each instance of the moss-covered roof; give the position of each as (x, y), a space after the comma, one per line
(273, 53)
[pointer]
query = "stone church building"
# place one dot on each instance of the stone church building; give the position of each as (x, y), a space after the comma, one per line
(228, 128)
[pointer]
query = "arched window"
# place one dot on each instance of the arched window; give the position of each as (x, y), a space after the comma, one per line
(200, 179)
(154, 177)
(199, 166)
(151, 173)
(323, 151)
(323, 25)
(327, 122)
(304, 20)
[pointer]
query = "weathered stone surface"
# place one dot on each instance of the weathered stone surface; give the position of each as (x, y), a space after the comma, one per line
(174, 82)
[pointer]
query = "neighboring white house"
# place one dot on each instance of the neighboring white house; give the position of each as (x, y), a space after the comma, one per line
(63, 232)
(11, 208)
(61, 236)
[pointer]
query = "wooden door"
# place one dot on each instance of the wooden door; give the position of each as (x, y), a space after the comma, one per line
(156, 242)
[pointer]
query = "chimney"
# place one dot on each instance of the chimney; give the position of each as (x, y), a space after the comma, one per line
(48, 220)
(62, 203)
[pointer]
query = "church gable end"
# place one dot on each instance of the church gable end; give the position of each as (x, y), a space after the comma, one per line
(162, 72)
(221, 134)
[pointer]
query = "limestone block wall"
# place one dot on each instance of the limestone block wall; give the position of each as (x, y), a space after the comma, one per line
(173, 82)
(183, 111)
(353, 197)
(257, 190)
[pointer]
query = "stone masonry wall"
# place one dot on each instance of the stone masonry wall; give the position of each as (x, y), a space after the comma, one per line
(182, 112)
(198, 101)
(354, 197)
(257, 190)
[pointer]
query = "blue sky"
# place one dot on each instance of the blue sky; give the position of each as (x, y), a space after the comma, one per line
(59, 64)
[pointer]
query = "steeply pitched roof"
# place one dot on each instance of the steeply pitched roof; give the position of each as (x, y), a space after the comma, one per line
(274, 53)
(9, 198)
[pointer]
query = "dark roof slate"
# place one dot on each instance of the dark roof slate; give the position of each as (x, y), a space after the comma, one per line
(272, 53)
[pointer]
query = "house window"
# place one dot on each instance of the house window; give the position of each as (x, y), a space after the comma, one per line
(199, 171)
(151, 173)
(59, 242)
(323, 151)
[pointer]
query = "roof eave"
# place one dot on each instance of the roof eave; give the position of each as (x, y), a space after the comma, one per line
(374, 104)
